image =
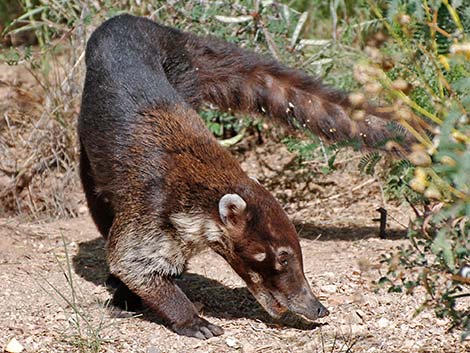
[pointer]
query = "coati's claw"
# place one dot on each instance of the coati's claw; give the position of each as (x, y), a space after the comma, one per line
(199, 328)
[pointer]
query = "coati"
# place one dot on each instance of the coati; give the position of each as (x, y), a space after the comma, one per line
(159, 186)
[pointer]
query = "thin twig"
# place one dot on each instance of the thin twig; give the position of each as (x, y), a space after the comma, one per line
(360, 186)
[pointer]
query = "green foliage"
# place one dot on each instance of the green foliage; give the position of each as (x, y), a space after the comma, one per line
(397, 183)
(430, 46)
(306, 150)
(9, 9)
(368, 162)
(224, 125)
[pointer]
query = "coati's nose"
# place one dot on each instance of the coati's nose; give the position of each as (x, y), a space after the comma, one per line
(322, 311)
(308, 305)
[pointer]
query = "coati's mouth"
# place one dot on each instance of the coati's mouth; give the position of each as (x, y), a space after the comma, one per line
(277, 305)
(270, 303)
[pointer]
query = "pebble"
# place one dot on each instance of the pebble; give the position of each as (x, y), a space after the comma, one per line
(232, 342)
(247, 347)
(14, 346)
(329, 274)
(426, 316)
(353, 329)
(60, 317)
(329, 288)
(409, 344)
(340, 299)
(383, 322)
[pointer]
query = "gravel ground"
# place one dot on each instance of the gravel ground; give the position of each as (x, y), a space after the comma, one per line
(48, 309)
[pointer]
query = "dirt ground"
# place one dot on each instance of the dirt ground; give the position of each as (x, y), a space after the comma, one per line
(41, 300)
(52, 273)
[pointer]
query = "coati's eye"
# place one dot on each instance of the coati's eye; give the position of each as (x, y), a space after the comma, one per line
(283, 258)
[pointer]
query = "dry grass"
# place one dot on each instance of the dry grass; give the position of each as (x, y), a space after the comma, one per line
(38, 169)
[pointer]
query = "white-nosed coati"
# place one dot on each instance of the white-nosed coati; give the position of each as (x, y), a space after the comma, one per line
(159, 186)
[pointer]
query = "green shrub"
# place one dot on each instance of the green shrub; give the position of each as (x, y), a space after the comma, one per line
(423, 67)
(431, 51)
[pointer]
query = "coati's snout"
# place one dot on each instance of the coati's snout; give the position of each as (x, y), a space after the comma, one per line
(266, 254)
(279, 285)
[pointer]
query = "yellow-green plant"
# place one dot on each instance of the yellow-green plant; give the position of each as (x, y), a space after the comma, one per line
(429, 86)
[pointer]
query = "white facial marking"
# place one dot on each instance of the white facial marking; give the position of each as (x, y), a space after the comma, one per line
(260, 256)
(286, 249)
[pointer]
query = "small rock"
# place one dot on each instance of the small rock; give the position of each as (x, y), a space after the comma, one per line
(383, 322)
(247, 347)
(386, 299)
(358, 298)
(329, 274)
(14, 346)
(404, 328)
(426, 316)
(329, 288)
(232, 342)
(410, 344)
(153, 349)
(357, 329)
(353, 329)
(61, 317)
(337, 299)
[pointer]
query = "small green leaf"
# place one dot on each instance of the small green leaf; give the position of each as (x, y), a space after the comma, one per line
(442, 246)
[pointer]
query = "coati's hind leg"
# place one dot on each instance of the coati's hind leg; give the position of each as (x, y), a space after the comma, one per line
(123, 297)
(103, 216)
(100, 210)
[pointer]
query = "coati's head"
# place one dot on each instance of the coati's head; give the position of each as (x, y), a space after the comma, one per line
(265, 251)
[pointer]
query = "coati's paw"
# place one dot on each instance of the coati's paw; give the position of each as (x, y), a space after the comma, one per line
(199, 328)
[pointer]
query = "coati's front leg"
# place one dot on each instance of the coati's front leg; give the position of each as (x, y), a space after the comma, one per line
(169, 302)
(145, 263)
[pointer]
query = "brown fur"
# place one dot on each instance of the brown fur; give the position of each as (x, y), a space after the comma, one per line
(238, 80)
(159, 186)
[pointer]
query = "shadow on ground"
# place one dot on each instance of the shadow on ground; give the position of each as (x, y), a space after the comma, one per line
(218, 300)
(314, 231)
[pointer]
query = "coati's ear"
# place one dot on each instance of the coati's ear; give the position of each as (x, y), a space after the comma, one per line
(230, 207)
